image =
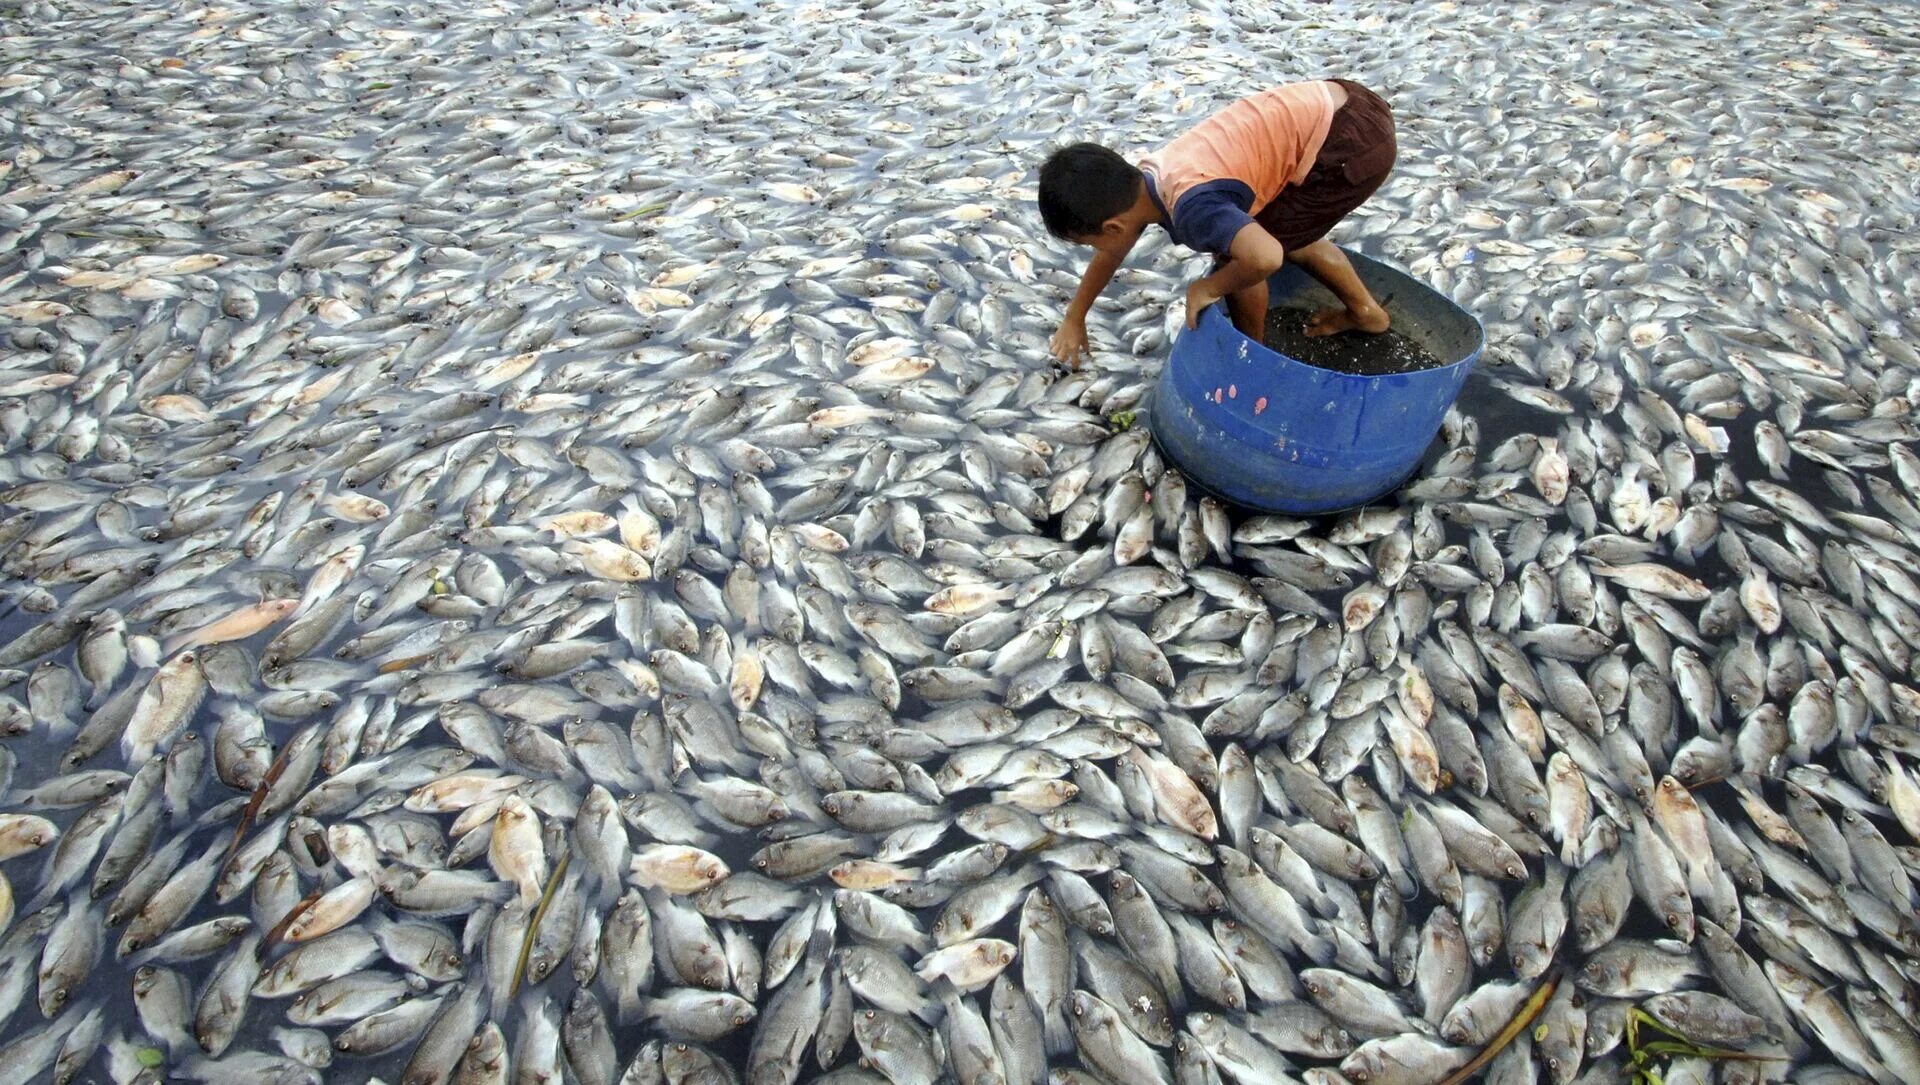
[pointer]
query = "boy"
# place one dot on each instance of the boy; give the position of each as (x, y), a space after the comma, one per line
(1257, 184)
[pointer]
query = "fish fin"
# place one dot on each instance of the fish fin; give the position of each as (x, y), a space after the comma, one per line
(1319, 949)
(1057, 1034)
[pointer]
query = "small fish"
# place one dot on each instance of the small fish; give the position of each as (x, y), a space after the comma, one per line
(239, 625)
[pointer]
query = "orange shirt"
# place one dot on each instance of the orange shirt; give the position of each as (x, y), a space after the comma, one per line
(1240, 158)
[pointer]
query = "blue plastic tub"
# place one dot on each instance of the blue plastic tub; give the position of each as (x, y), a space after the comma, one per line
(1272, 433)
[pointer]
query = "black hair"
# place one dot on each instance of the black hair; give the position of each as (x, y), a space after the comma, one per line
(1083, 185)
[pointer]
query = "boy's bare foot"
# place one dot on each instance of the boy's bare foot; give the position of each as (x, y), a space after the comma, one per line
(1373, 321)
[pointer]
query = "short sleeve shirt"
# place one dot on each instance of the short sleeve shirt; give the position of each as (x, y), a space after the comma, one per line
(1211, 181)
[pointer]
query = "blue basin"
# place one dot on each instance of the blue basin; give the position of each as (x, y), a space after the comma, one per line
(1275, 434)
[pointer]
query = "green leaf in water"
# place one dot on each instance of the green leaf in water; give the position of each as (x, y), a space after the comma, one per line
(379, 86)
(151, 1057)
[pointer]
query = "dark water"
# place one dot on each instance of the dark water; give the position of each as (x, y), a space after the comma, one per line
(1348, 352)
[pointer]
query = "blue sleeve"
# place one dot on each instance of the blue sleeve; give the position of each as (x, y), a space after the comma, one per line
(1210, 214)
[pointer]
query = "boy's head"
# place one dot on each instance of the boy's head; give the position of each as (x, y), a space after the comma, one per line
(1082, 186)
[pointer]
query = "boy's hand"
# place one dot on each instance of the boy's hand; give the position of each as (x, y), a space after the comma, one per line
(1200, 295)
(1069, 345)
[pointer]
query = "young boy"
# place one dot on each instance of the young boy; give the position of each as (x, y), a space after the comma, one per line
(1257, 184)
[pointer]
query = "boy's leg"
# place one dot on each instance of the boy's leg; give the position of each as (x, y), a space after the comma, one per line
(1359, 311)
(1354, 161)
(1249, 309)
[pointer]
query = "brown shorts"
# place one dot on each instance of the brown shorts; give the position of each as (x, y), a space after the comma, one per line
(1355, 159)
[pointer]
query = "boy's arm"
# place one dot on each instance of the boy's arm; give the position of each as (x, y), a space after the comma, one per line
(1070, 342)
(1254, 256)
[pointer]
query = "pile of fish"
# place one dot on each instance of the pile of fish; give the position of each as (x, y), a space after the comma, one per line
(539, 543)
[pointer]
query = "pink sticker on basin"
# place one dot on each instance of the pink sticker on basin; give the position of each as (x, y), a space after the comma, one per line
(1216, 395)
(1233, 392)
(1259, 404)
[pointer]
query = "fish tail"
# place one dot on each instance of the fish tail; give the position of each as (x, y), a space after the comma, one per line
(1057, 1034)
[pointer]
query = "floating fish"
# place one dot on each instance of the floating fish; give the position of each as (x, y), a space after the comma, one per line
(541, 544)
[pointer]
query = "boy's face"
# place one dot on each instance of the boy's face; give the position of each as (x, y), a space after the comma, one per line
(1114, 238)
